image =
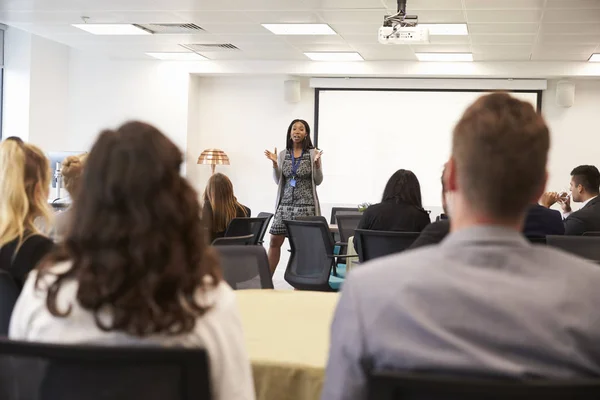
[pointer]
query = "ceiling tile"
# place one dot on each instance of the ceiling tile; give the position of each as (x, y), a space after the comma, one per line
(440, 16)
(358, 4)
(569, 28)
(574, 16)
(501, 57)
(427, 5)
(362, 39)
(442, 39)
(503, 39)
(517, 50)
(574, 39)
(353, 16)
(505, 28)
(214, 17)
(563, 52)
(305, 39)
(356, 29)
(323, 47)
(441, 48)
(504, 4)
(384, 53)
(269, 5)
(494, 16)
(573, 4)
(237, 29)
(283, 17)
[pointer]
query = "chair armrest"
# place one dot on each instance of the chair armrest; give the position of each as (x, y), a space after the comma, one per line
(343, 256)
(341, 244)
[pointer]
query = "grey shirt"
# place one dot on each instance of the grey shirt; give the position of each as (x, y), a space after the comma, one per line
(483, 300)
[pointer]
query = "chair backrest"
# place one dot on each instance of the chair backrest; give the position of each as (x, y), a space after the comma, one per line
(591, 234)
(234, 241)
(582, 246)
(245, 267)
(335, 210)
(347, 221)
(9, 292)
(311, 258)
(536, 239)
(395, 386)
(38, 371)
(372, 244)
(246, 226)
(263, 232)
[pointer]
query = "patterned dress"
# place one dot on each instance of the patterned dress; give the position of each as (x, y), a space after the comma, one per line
(296, 201)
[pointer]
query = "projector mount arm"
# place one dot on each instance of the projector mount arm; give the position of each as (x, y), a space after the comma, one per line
(400, 19)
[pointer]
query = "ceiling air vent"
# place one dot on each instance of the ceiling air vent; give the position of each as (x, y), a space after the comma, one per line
(166, 29)
(200, 47)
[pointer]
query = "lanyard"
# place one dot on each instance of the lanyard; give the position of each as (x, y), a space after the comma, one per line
(296, 162)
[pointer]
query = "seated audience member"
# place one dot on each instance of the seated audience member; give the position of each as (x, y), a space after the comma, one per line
(220, 206)
(539, 221)
(400, 208)
(436, 231)
(485, 300)
(584, 188)
(24, 184)
(71, 170)
(135, 267)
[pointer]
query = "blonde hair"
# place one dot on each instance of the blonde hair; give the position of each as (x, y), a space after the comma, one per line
(24, 184)
(224, 205)
(72, 169)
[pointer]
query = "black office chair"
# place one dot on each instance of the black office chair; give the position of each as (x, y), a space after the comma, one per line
(41, 371)
(234, 241)
(245, 267)
(263, 232)
(246, 226)
(335, 210)
(582, 246)
(9, 292)
(311, 255)
(398, 386)
(372, 244)
(591, 233)
(347, 222)
(536, 239)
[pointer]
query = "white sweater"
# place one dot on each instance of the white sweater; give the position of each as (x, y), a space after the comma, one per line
(219, 331)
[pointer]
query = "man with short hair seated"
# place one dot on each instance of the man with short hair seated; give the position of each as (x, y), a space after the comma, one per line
(484, 301)
(584, 188)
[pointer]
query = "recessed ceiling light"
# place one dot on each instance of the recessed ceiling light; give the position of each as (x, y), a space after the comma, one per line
(300, 29)
(178, 56)
(595, 58)
(446, 29)
(112, 29)
(444, 56)
(342, 56)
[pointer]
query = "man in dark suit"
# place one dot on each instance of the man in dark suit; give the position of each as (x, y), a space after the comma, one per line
(540, 221)
(584, 187)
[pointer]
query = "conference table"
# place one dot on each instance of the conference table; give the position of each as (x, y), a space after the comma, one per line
(287, 338)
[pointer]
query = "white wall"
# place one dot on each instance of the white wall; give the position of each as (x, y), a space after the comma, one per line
(575, 131)
(243, 116)
(17, 74)
(105, 93)
(49, 97)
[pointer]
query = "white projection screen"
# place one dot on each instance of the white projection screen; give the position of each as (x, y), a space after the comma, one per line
(367, 135)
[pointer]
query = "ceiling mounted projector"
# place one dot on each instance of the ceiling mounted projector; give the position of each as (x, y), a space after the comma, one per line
(402, 29)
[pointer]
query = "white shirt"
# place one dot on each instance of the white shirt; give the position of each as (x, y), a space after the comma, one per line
(565, 215)
(219, 331)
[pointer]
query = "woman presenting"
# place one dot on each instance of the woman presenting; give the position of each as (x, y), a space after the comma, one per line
(297, 171)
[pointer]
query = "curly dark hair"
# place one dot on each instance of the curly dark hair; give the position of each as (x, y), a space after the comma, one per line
(136, 243)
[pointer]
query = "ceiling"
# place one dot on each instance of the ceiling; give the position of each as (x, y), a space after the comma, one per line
(499, 30)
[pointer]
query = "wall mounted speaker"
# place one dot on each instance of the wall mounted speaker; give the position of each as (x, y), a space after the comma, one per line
(565, 94)
(292, 92)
